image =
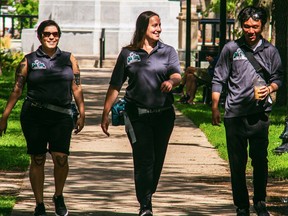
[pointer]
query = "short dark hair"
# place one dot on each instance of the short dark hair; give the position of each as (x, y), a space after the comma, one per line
(256, 13)
(46, 23)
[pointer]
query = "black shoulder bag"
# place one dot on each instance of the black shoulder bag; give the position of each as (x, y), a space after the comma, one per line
(261, 71)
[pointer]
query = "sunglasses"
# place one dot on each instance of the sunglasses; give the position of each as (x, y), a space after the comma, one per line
(255, 16)
(47, 34)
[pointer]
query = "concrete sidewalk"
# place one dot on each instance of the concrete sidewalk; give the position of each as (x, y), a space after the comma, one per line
(195, 181)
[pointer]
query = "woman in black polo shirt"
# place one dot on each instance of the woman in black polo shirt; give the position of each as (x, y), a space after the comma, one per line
(53, 78)
(152, 69)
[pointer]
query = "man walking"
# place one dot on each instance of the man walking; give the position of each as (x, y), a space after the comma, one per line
(246, 119)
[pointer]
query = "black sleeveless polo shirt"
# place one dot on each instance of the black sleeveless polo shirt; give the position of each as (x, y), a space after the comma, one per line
(49, 79)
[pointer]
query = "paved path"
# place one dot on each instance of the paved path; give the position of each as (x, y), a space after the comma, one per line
(195, 181)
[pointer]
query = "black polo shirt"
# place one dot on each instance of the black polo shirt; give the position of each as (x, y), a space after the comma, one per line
(145, 73)
(49, 80)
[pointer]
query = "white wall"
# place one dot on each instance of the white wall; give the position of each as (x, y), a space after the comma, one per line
(81, 22)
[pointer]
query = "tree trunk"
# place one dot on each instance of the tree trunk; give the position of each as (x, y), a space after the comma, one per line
(280, 18)
(267, 4)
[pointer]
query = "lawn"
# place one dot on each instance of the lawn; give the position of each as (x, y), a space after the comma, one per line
(13, 155)
(200, 114)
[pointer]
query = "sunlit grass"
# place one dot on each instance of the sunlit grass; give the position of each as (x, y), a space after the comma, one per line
(6, 205)
(201, 116)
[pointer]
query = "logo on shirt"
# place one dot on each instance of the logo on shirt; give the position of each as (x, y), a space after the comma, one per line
(133, 57)
(239, 55)
(38, 65)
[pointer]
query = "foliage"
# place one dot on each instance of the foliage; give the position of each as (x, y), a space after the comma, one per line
(13, 154)
(6, 205)
(232, 6)
(25, 7)
(9, 61)
(12, 144)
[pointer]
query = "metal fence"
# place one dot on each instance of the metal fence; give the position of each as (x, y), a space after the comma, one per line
(13, 24)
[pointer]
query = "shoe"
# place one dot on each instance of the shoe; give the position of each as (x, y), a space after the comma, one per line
(283, 148)
(260, 208)
(60, 207)
(145, 212)
(284, 134)
(146, 208)
(242, 212)
(184, 99)
(40, 210)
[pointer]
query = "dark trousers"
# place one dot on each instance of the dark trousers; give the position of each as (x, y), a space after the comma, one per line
(239, 132)
(152, 133)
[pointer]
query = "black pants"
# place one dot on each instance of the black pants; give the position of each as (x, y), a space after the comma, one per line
(152, 133)
(239, 131)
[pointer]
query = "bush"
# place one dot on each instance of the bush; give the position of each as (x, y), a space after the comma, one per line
(9, 61)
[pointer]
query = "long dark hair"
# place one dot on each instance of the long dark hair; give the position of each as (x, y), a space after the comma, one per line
(46, 23)
(140, 30)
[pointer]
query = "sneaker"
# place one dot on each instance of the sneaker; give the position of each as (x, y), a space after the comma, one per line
(60, 207)
(145, 212)
(40, 210)
(184, 99)
(260, 208)
(243, 212)
(283, 148)
(146, 208)
(284, 134)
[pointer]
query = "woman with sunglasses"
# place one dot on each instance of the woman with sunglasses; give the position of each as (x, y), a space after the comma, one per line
(53, 79)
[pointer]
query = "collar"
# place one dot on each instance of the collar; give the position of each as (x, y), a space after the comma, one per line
(41, 53)
(259, 47)
(159, 45)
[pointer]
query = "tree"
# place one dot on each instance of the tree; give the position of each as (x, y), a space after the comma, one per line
(25, 7)
(279, 20)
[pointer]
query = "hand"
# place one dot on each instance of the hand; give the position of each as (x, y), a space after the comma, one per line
(3, 126)
(79, 125)
(216, 117)
(263, 92)
(105, 125)
(167, 86)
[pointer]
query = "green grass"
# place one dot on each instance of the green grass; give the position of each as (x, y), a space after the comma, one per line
(6, 205)
(13, 155)
(201, 116)
(12, 144)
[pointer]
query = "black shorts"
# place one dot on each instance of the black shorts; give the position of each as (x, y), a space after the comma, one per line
(45, 130)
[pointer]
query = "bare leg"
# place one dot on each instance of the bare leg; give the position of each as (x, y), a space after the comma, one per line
(61, 169)
(191, 87)
(36, 175)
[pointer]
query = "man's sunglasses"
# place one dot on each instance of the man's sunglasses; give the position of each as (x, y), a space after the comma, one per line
(47, 34)
(255, 16)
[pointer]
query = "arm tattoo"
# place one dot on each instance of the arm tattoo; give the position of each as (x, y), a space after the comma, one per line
(19, 77)
(77, 79)
(20, 82)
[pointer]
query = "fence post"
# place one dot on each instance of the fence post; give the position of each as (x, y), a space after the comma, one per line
(102, 47)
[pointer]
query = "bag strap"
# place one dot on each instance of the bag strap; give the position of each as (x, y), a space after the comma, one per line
(259, 69)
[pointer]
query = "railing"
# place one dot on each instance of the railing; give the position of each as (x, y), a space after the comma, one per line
(102, 47)
(17, 24)
(210, 32)
(214, 28)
